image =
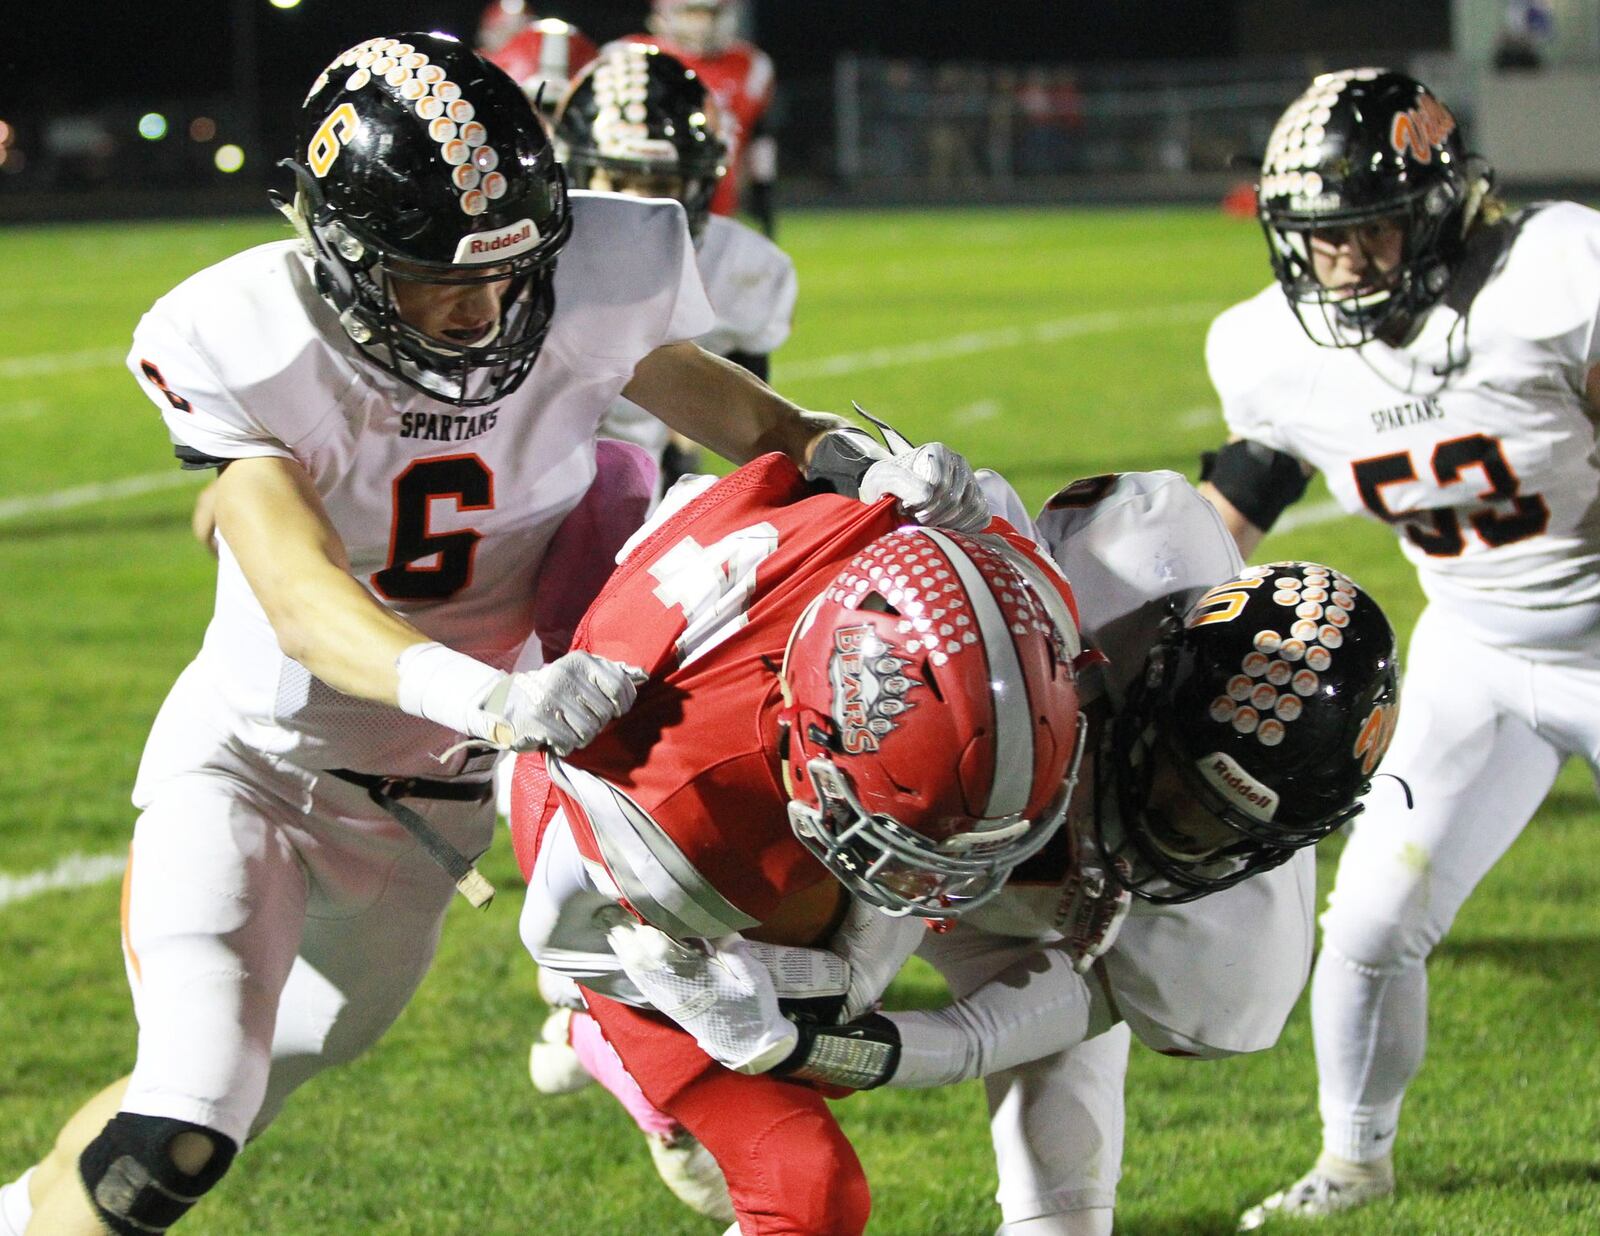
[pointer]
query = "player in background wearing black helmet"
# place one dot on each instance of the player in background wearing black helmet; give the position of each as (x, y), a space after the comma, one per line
(1434, 357)
(401, 403)
(675, 148)
(1239, 716)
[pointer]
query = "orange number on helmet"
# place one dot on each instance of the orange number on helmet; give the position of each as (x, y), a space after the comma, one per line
(336, 132)
(1229, 598)
(1376, 732)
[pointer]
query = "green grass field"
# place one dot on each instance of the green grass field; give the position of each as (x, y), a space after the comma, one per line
(1047, 345)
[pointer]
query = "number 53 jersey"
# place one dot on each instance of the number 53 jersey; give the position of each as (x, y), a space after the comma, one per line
(1473, 439)
(445, 512)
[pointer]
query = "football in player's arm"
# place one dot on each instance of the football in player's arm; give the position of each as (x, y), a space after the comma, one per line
(1433, 355)
(401, 402)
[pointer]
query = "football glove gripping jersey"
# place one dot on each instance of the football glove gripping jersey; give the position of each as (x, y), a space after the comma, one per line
(1359, 146)
(934, 485)
(558, 707)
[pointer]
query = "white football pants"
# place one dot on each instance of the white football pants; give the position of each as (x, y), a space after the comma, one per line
(1482, 733)
(276, 922)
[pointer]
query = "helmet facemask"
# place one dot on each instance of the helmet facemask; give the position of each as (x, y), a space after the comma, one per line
(358, 277)
(1388, 303)
(1357, 148)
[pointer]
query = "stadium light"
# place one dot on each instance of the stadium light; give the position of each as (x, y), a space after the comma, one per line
(202, 129)
(152, 126)
(229, 158)
(284, 4)
(6, 133)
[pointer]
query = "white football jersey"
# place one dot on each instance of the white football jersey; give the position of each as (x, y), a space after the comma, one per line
(1473, 439)
(445, 512)
(752, 288)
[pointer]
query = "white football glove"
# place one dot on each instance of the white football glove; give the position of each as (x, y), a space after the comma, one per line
(714, 989)
(558, 707)
(935, 486)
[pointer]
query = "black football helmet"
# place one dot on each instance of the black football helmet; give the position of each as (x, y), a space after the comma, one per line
(638, 114)
(1357, 146)
(1266, 707)
(419, 161)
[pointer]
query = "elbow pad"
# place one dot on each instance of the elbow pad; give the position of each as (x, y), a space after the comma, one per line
(1259, 481)
(841, 458)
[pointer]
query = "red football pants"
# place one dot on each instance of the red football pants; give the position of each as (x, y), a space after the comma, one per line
(789, 1167)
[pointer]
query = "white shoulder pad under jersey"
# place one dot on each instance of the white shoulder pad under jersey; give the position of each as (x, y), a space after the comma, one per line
(244, 358)
(445, 512)
(1473, 439)
(752, 286)
(631, 251)
(1136, 546)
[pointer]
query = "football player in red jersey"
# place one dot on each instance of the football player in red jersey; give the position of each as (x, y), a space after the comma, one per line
(704, 35)
(829, 693)
(542, 57)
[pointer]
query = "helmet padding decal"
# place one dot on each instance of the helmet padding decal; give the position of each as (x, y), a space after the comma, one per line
(1227, 776)
(463, 140)
(499, 244)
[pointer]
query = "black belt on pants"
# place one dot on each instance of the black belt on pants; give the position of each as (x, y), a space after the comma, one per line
(387, 793)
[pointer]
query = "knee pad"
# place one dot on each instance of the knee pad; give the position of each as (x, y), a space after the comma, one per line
(132, 1180)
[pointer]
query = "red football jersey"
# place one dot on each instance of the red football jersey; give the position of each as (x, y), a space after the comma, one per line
(680, 804)
(740, 79)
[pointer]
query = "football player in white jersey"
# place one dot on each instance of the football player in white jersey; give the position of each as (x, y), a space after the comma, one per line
(402, 404)
(1226, 738)
(673, 148)
(1434, 357)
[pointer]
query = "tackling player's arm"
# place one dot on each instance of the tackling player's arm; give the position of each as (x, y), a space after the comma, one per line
(723, 406)
(274, 522)
(1250, 484)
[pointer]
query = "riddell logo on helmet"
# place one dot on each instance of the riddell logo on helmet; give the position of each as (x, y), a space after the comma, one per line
(869, 688)
(1421, 129)
(501, 243)
(1229, 779)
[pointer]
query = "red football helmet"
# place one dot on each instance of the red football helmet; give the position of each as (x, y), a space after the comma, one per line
(696, 27)
(500, 21)
(931, 714)
(543, 58)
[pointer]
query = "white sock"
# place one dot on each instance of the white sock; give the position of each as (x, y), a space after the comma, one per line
(15, 1206)
(1095, 1221)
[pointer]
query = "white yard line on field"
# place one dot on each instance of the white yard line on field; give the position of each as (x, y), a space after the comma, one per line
(73, 871)
(49, 364)
(983, 410)
(1322, 512)
(101, 491)
(952, 346)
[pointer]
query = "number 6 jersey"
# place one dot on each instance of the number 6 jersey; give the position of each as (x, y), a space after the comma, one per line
(445, 512)
(1473, 439)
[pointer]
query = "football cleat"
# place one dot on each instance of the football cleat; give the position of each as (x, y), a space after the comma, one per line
(553, 1066)
(687, 1168)
(1327, 1189)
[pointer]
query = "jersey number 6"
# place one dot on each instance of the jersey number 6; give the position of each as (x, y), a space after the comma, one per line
(425, 565)
(1437, 531)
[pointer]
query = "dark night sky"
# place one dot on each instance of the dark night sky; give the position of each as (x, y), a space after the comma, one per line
(68, 56)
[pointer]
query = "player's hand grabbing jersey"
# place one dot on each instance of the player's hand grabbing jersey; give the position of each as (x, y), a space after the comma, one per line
(1472, 439)
(445, 512)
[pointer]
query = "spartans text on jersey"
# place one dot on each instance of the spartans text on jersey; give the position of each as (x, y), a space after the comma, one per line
(443, 427)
